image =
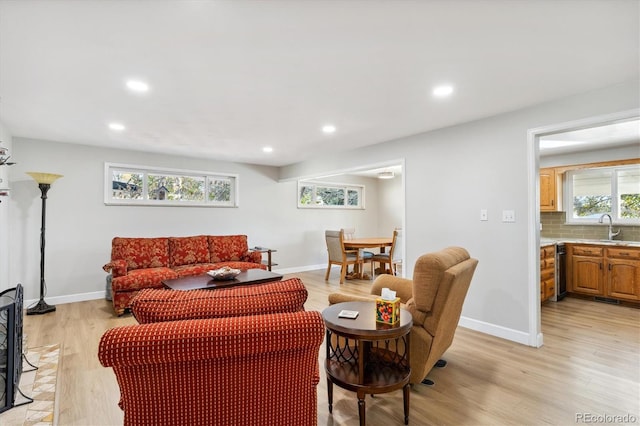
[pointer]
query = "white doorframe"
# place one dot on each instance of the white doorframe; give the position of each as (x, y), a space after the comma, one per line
(533, 156)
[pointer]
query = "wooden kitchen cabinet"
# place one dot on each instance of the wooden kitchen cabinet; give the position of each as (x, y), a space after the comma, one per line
(605, 271)
(547, 272)
(623, 273)
(550, 190)
(585, 269)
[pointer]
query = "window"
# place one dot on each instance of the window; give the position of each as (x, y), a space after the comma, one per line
(330, 195)
(608, 190)
(139, 185)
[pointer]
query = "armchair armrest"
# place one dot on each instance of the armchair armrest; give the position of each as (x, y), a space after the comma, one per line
(342, 297)
(402, 286)
(117, 268)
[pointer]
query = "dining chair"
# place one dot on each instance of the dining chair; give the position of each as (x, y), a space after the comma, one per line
(339, 256)
(366, 256)
(393, 257)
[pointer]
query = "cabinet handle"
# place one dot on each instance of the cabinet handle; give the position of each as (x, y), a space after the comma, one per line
(623, 253)
(601, 266)
(609, 266)
(551, 203)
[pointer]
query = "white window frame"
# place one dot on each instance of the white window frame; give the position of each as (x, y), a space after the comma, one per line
(345, 186)
(109, 168)
(614, 196)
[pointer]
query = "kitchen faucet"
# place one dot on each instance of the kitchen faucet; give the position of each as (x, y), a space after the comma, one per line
(611, 233)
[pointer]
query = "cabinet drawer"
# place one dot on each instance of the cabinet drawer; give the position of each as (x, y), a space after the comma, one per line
(549, 263)
(550, 286)
(546, 274)
(547, 252)
(588, 251)
(623, 253)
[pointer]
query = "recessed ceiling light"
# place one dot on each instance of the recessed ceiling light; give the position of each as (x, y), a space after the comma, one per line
(329, 128)
(442, 91)
(267, 149)
(137, 86)
(386, 175)
(117, 127)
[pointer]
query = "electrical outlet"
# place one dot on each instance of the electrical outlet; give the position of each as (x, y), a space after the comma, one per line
(508, 216)
(484, 215)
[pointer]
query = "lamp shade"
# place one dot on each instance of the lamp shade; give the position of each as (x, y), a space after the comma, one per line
(46, 178)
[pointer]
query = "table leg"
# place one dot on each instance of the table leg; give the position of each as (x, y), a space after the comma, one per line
(405, 400)
(330, 394)
(361, 410)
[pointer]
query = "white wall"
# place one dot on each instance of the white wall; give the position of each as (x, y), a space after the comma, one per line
(452, 173)
(390, 206)
(5, 283)
(79, 227)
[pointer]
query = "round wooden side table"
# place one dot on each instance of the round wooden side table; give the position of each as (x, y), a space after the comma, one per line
(365, 356)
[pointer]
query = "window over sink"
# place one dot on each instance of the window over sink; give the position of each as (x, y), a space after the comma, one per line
(590, 193)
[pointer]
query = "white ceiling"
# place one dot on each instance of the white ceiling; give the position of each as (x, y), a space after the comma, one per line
(229, 77)
(609, 135)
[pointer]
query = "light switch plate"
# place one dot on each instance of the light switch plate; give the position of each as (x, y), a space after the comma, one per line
(508, 216)
(484, 215)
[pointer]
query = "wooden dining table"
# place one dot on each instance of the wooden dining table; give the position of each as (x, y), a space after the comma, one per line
(371, 242)
(363, 243)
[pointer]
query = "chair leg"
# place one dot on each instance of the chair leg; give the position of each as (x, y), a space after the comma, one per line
(343, 273)
(326, 276)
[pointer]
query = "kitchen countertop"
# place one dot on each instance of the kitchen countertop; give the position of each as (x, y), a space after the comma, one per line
(550, 241)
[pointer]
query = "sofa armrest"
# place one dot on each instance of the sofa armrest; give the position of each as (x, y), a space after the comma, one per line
(252, 256)
(201, 339)
(117, 268)
(402, 286)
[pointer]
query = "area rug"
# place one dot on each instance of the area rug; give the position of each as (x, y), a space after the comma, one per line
(39, 385)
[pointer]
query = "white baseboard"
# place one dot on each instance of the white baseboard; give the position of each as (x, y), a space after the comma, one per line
(293, 270)
(495, 330)
(58, 300)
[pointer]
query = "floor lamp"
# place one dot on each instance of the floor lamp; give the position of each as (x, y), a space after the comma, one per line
(44, 183)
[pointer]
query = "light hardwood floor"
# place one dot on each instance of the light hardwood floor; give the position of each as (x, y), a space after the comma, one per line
(590, 363)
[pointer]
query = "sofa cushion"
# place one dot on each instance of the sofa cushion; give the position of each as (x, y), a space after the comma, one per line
(240, 265)
(141, 253)
(142, 278)
(197, 269)
(157, 305)
(188, 250)
(227, 247)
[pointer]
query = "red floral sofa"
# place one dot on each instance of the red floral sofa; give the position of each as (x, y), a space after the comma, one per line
(139, 263)
(203, 365)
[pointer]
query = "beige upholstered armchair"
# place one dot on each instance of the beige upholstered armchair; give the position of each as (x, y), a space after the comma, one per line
(434, 297)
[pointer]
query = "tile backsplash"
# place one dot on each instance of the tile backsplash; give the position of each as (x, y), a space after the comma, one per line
(553, 226)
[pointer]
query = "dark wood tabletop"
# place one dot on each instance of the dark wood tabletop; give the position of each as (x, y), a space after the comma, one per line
(249, 276)
(365, 325)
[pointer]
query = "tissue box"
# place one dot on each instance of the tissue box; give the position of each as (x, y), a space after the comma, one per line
(388, 311)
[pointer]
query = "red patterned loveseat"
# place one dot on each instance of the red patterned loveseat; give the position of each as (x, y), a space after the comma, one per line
(138, 263)
(203, 365)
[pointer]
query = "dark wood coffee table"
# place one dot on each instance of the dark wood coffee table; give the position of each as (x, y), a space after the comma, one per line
(250, 276)
(367, 357)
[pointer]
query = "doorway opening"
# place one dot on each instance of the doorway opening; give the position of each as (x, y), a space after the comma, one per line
(564, 135)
